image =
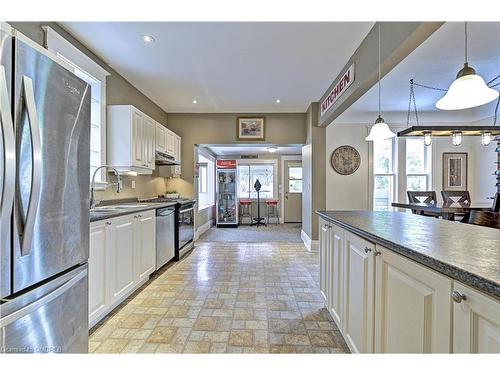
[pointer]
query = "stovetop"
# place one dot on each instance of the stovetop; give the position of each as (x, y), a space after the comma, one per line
(164, 199)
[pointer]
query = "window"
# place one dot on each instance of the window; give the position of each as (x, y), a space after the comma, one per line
(384, 175)
(248, 174)
(95, 76)
(294, 179)
(206, 182)
(417, 168)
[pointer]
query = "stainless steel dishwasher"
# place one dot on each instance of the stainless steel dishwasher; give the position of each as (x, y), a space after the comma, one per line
(165, 235)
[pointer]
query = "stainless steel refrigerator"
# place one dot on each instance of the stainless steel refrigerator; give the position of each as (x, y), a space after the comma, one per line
(44, 190)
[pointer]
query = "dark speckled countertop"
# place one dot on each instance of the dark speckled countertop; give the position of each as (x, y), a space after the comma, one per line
(464, 252)
(94, 216)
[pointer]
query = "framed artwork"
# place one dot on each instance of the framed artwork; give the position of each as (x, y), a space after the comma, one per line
(345, 160)
(251, 128)
(454, 170)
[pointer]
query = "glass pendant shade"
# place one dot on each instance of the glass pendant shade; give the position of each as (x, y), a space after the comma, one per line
(486, 138)
(467, 91)
(380, 131)
(456, 138)
(427, 139)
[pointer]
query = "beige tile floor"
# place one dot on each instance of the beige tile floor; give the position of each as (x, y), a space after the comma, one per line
(226, 298)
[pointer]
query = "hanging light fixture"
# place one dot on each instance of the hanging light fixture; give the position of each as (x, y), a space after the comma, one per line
(486, 138)
(427, 138)
(380, 130)
(456, 138)
(468, 90)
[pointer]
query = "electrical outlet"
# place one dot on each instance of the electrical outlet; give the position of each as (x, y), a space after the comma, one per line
(133, 184)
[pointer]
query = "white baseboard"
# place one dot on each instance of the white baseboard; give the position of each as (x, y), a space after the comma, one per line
(202, 229)
(311, 245)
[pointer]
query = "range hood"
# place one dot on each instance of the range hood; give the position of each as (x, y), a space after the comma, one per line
(162, 158)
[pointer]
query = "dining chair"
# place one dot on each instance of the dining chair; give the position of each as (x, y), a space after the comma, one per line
(422, 197)
(496, 203)
(484, 218)
(462, 195)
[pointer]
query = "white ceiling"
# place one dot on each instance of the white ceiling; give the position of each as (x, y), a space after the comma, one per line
(254, 149)
(226, 67)
(435, 63)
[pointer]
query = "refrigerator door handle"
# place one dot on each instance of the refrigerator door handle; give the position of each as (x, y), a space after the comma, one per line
(36, 152)
(28, 309)
(9, 162)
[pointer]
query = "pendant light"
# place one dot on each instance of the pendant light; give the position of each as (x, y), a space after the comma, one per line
(486, 138)
(380, 130)
(456, 138)
(468, 90)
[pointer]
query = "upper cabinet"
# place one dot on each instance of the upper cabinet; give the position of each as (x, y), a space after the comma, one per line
(131, 139)
(161, 138)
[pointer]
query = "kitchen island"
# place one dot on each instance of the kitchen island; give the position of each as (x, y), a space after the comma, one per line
(398, 282)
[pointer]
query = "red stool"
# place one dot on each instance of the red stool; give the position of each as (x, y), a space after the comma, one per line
(272, 210)
(245, 210)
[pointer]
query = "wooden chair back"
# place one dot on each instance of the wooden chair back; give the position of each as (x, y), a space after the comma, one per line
(485, 218)
(422, 197)
(462, 195)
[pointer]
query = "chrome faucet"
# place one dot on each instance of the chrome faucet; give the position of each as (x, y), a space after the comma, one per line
(118, 183)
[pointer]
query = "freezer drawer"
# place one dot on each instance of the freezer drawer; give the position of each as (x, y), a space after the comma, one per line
(49, 319)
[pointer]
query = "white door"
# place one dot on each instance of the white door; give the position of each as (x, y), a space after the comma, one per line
(145, 233)
(98, 263)
(476, 321)
(137, 139)
(121, 260)
(359, 283)
(293, 191)
(161, 138)
(412, 307)
(336, 270)
(324, 244)
(170, 143)
(149, 141)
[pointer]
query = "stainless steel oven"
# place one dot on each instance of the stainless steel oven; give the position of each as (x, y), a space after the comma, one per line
(185, 228)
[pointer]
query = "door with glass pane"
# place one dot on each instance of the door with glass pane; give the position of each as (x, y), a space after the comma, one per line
(293, 191)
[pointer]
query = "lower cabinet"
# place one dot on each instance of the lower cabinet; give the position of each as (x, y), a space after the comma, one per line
(122, 256)
(476, 321)
(412, 306)
(383, 302)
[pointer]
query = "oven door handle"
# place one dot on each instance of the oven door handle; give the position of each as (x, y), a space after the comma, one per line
(186, 210)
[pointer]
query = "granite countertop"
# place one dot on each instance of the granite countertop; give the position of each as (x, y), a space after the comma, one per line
(464, 252)
(141, 206)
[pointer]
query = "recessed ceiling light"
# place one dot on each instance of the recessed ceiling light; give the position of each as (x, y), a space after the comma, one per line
(148, 38)
(278, 101)
(195, 101)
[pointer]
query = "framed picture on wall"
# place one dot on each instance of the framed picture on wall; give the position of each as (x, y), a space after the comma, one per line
(251, 128)
(454, 171)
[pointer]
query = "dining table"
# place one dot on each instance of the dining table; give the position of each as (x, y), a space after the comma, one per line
(446, 210)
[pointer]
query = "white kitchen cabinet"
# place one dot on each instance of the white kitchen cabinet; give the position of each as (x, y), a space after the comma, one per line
(336, 281)
(131, 139)
(145, 231)
(161, 138)
(412, 306)
(476, 321)
(324, 244)
(170, 141)
(98, 263)
(358, 290)
(121, 247)
(177, 155)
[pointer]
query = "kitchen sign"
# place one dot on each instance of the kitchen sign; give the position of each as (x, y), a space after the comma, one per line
(338, 89)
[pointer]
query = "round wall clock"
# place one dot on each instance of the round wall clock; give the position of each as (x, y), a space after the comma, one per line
(345, 160)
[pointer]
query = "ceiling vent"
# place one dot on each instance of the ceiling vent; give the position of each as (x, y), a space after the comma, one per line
(249, 156)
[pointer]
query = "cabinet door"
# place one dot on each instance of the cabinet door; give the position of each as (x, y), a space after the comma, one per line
(324, 244)
(161, 138)
(149, 141)
(412, 307)
(137, 139)
(476, 322)
(121, 260)
(359, 282)
(170, 143)
(145, 233)
(336, 274)
(177, 148)
(98, 263)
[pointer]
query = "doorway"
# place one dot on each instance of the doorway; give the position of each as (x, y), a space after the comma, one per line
(293, 191)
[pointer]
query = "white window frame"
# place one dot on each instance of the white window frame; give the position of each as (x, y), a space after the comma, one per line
(274, 162)
(58, 45)
(394, 174)
(427, 165)
(210, 179)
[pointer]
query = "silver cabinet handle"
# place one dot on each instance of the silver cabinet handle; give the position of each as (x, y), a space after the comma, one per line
(376, 252)
(108, 222)
(367, 249)
(36, 158)
(9, 159)
(458, 297)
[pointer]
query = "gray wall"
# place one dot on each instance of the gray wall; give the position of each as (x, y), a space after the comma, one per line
(118, 91)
